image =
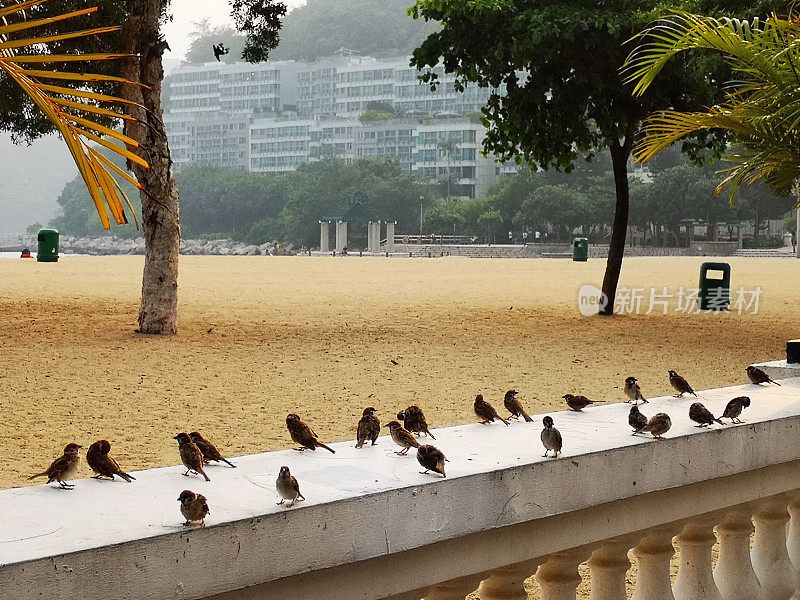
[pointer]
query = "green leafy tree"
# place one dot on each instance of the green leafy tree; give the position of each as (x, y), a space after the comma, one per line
(490, 221)
(558, 61)
(205, 36)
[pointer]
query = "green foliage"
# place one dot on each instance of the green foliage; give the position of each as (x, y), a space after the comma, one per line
(370, 116)
(205, 36)
(33, 228)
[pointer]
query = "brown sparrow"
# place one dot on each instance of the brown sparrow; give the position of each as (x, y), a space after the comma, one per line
(208, 449)
(63, 468)
(757, 376)
(194, 508)
(633, 391)
(102, 464)
(414, 420)
(551, 437)
(734, 409)
(485, 411)
(681, 385)
(287, 486)
(303, 434)
(369, 427)
(578, 403)
(402, 437)
(658, 425)
(191, 456)
(514, 406)
(701, 415)
(431, 459)
(636, 420)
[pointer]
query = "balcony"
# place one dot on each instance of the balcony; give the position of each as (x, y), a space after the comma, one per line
(373, 527)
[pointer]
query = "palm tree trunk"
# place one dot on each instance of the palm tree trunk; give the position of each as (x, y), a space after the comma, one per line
(616, 250)
(160, 208)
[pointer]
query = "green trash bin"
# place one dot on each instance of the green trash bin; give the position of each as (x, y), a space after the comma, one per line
(580, 249)
(48, 245)
(715, 286)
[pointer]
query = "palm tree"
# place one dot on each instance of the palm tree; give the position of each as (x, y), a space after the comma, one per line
(71, 109)
(762, 107)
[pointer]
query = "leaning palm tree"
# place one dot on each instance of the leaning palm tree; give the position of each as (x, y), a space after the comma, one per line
(71, 108)
(762, 107)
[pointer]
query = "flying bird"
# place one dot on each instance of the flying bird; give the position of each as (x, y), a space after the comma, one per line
(63, 468)
(431, 459)
(194, 508)
(208, 449)
(551, 437)
(680, 384)
(514, 406)
(578, 403)
(734, 409)
(402, 437)
(702, 416)
(101, 463)
(191, 457)
(757, 376)
(636, 420)
(220, 50)
(658, 425)
(633, 391)
(288, 488)
(485, 411)
(303, 434)
(369, 427)
(414, 420)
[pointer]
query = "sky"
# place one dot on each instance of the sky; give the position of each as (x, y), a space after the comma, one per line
(187, 12)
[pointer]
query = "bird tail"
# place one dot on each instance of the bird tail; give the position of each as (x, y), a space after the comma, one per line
(126, 477)
(775, 382)
(526, 416)
(430, 434)
(37, 475)
(203, 473)
(502, 419)
(331, 450)
(226, 461)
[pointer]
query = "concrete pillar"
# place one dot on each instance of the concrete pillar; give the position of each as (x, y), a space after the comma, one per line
(770, 556)
(507, 583)
(609, 564)
(390, 236)
(653, 554)
(341, 235)
(695, 581)
(740, 237)
(374, 236)
(455, 589)
(324, 236)
(558, 578)
(734, 574)
(793, 544)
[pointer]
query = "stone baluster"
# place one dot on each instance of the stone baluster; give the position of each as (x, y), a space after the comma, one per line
(609, 564)
(455, 589)
(734, 574)
(695, 580)
(558, 578)
(653, 554)
(770, 556)
(793, 544)
(508, 583)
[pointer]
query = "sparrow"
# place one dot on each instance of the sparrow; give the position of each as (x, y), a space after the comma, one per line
(514, 407)
(551, 437)
(191, 456)
(220, 50)
(633, 391)
(402, 437)
(486, 411)
(102, 464)
(658, 425)
(700, 414)
(369, 427)
(734, 409)
(194, 507)
(208, 449)
(62, 468)
(288, 488)
(636, 420)
(303, 434)
(578, 403)
(757, 376)
(431, 459)
(414, 420)
(680, 384)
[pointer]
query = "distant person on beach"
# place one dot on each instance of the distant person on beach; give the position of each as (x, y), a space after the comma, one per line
(524, 238)
(26, 253)
(538, 236)
(344, 251)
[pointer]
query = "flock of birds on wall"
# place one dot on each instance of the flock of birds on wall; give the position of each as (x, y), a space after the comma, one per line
(196, 451)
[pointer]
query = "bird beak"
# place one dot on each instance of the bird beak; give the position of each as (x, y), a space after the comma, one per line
(175, 438)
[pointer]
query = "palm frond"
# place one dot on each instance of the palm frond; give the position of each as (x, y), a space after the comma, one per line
(71, 109)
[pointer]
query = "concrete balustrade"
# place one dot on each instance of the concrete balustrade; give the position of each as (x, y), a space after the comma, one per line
(373, 527)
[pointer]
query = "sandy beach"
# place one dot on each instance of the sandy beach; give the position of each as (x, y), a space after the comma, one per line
(263, 336)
